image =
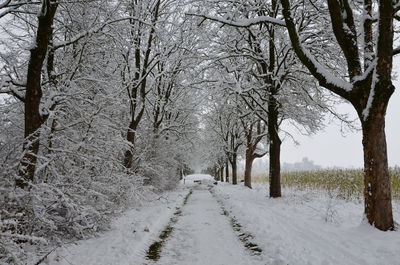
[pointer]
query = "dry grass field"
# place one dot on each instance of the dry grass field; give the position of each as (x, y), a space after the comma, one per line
(342, 183)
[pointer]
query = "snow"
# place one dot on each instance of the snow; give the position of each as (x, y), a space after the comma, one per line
(367, 108)
(201, 177)
(93, 30)
(344, 14)
(203, 235)
(371, 67)
(244, 22)
(309, 228)
(259, 20)
(330, 78)
(301, 228)
(128, 239)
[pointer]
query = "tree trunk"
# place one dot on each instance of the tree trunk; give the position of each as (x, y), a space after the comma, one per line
(273, 123)
(227, 171)
(248, 167)
(275, 168)
(274, 150)
(377, 184)
(221, 174)
(131, 135)
(33, 96)
(234, 170)
(377, 191)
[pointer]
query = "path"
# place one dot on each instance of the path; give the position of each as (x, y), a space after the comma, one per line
(290, 230)
(203, 235)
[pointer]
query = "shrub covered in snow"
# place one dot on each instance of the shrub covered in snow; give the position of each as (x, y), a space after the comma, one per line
(80, 180)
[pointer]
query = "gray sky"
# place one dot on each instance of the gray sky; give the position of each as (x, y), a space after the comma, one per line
(329, 148)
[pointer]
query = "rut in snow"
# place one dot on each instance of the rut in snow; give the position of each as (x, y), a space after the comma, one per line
(245, 237)
(153, 253)
(200, 235)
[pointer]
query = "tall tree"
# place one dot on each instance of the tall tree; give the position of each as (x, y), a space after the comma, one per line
(33, 96)
(368, 87)
(138, 63)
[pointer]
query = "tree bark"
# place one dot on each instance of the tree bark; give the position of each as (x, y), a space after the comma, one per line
(248, 168)
(227, 171)
(274, 150)
(377, 184)
(33, 96)
(131, 136)
(273, 122)
(251, 148)
(234, 169)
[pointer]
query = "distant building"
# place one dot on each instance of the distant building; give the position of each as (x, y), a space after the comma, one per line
(304, 165)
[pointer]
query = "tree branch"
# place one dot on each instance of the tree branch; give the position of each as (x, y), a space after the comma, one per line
(243, 23)
(91, 31)
(325, 79)
(345, 32)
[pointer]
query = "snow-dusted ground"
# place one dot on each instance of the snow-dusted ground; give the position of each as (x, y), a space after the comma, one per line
(203, 235)
(309, 228)
(302, 228)
(129, 238)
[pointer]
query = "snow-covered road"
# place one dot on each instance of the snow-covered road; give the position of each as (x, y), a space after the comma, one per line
(218, 225)
(204, 235)
(201, 234)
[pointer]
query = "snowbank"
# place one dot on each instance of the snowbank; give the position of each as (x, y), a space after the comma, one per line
(129, 238)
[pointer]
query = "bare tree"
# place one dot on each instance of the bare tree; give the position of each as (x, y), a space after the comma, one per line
(33, 117)
(267, 75)
(254, 132)
(138, 63)
(368, 87)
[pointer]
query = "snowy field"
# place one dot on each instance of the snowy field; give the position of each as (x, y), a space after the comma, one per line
(301, 228)
(307, 228)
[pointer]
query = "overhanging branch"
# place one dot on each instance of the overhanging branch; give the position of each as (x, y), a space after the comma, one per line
(242, 23)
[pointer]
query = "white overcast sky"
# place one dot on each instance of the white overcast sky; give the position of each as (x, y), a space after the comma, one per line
(329, 148)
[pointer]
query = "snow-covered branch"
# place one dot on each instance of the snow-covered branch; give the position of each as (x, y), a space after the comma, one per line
(324, 77)
(58, 45)
(242, 23)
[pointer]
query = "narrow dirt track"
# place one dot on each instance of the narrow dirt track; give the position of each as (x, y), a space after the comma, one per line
(204, 235)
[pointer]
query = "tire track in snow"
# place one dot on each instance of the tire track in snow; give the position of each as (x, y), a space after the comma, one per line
(245, 237)
(202, 235)
(153, 253)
